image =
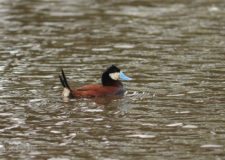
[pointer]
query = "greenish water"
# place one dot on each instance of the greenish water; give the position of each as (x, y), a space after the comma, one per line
(173, 109)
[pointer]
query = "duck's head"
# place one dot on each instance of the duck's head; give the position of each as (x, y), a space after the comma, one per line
(113, 75)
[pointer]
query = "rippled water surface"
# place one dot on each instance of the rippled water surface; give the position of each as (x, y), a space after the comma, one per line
(173, 109)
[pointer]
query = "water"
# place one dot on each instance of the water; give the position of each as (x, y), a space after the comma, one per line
(173, 109)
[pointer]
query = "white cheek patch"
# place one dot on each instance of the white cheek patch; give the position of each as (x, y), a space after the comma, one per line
(115, 76)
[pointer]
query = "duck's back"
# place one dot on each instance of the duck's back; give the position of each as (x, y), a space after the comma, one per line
(97, 90)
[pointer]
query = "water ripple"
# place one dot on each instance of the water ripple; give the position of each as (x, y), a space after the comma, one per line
(174, 51)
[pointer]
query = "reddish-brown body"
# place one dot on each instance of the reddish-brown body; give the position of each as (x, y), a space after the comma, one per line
(97, 90)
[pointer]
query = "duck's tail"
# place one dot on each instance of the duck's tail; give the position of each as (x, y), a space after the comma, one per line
(67, 91)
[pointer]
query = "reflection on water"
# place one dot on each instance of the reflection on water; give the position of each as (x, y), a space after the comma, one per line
(173, 109)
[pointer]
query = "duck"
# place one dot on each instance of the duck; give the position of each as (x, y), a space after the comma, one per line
(110, 85)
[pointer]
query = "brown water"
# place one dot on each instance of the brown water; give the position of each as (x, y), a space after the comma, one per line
(173, 109)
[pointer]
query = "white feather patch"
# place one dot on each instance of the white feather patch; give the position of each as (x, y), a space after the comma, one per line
(115, 76)
(66, 92)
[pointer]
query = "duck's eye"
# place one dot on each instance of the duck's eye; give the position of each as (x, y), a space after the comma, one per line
(115, 76)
